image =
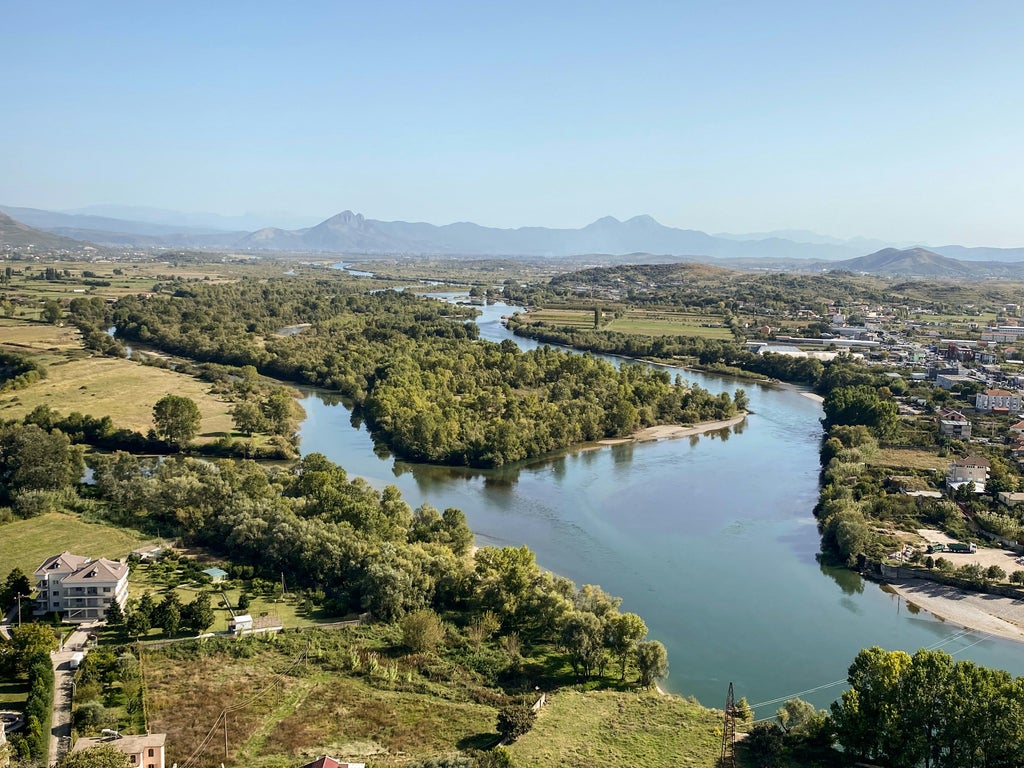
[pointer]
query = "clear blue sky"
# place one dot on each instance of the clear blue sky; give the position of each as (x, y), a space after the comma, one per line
(899, 120)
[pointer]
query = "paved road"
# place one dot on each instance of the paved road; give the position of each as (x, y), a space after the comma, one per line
(62, 690)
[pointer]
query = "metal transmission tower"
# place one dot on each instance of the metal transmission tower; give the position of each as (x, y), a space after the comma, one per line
(728, 759)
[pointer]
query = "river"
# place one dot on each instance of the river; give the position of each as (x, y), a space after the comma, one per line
(710, 539)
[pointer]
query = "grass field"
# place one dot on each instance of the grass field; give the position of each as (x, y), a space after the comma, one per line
(907, 458)
(22, 336)
(640, 322)
(121, 389)
(600, 728)
(26, 543)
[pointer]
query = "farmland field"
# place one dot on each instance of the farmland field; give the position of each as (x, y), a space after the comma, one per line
(667, 323)
(640, 322)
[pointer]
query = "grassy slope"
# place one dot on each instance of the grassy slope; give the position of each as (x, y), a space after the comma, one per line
(319, 708)
(642, 730)
(26, 543)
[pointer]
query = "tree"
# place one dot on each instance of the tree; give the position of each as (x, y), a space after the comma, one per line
(583, 639)
(995, 573)
(52, 312)
(422, 630)
(171, 620)
(114, 615)
(17, 584)
(861, 405)
(29, 641)
(137, 623)
(652, 661)
(278, 411)
(625, 631)
(32, 459)
(177, 419)
(198, 614)
(102, 756)
(515, 720)
(248, 417)
(243, 602)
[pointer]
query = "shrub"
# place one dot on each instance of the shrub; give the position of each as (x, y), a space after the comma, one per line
(515, 720)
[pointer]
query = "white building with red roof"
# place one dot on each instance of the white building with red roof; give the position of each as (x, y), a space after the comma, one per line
(998, 399)
(78, 588)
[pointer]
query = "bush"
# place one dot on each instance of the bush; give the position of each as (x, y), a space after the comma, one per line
(515, 721)
(422, 631)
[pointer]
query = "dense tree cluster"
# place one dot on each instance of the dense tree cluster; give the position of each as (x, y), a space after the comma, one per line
(929, 710)
(19, 371)
(367, 550)
(425, 384)
(35, 461)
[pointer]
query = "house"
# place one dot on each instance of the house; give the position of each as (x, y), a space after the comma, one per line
(954, 424)
(994, 399)
(950, 380)
(1010, 498)
(216, 575)
(330, 762)
(78, 588)
(240, 623)
(146, 751)
(972, 469)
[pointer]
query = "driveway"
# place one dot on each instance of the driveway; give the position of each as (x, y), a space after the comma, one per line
(63, 677)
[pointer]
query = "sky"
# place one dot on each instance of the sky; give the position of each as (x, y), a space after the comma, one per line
(901, 121)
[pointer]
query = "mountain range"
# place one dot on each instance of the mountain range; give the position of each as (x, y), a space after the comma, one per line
(352, 233)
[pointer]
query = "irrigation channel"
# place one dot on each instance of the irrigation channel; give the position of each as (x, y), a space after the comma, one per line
(710, 539)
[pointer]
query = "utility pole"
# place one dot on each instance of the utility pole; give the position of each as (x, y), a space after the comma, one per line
(19, 610)
(729, 733)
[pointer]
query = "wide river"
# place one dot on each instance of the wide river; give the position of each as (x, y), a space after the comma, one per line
(710, 539)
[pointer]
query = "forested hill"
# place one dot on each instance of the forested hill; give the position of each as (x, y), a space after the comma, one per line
(426, 385)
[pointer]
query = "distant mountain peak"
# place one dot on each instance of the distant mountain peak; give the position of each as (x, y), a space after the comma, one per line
(643, 219)
(345, 218)
(604, 221)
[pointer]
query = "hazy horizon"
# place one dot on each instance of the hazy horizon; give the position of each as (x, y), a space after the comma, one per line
(894, 123)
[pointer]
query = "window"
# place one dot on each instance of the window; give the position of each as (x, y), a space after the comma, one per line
(132, 758)
(106, 589)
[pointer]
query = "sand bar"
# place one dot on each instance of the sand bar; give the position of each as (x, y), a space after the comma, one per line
(991, 614)
(669, 431)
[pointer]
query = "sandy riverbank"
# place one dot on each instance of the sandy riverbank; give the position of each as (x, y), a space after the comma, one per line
(991, 614)
(669, 431)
